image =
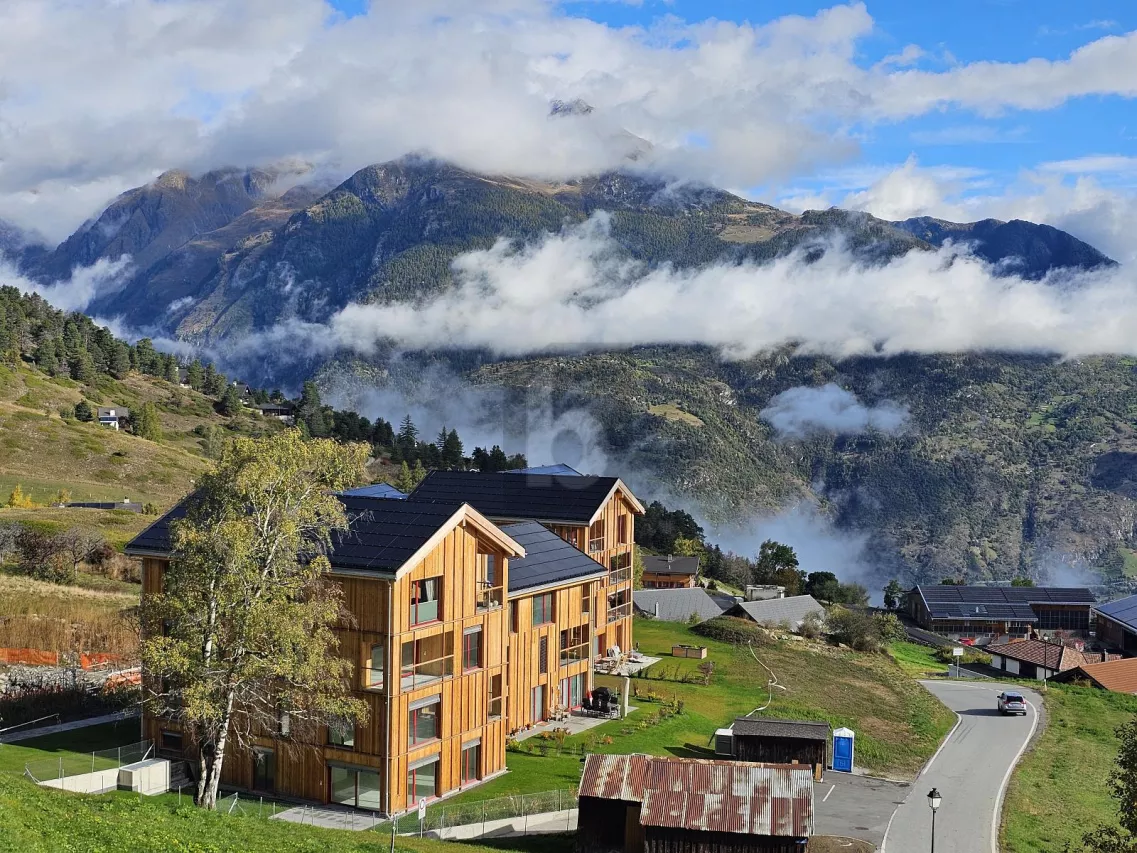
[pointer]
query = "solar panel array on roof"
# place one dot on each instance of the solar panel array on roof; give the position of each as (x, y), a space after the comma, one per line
(559, 469)
(383, 533)
(1124, 610)
(548, 558)
(376, 490)
(997, 602)
(518, 497)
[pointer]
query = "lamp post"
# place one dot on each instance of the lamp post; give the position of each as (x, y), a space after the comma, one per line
(934, 800)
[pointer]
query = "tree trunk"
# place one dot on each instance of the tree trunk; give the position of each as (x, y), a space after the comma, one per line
(210, 781)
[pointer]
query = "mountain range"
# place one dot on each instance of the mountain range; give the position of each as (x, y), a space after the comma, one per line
(1011, 464)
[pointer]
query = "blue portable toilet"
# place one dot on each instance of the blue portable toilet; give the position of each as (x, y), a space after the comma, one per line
(843, 750)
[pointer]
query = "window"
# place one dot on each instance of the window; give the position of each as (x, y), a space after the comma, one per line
(490, 592)
(424, 600)
(543, 655)
(495, 698)
(572, 691)
(537, 704)
(542, 609)
(423, 724)
(471, 649)
(622, 530)
(427, 660)
(471, 762)
(596, 536)
(586, 601)
(264, 770)
(342, 733)
(373, 677)
(620, 568)
(171, 741)
(422, 780)
(356, 788)
(574, 645)
(513, 617)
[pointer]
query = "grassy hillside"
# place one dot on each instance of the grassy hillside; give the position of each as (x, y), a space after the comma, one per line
(1059, 791)
(45, 452)
(47, 616)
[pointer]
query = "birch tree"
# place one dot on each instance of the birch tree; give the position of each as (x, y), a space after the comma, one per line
(242, 632)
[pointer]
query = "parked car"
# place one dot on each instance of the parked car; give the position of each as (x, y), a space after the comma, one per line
(1012, 703)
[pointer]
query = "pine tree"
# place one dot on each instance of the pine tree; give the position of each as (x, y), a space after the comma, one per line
(83, 412)
(120, 360)
(405, 482)
(144, 422)
(452, 450)
(310, 411)
(195, 375)
(419, 473)
(45, 357)
(408, 433)
(230, 401)
(172, 371)
(82, 366)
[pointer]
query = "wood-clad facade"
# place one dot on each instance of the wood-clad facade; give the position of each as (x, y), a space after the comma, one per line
(447, 661)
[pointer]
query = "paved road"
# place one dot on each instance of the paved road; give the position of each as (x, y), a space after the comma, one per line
(971, 771)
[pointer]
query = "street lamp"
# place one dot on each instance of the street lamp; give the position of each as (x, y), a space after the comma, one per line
(934, 800)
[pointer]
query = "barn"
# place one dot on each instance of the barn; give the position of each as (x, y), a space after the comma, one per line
(648, 804)
(782, 742)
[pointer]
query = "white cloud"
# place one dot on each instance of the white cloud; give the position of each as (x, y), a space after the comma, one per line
(78, 291)
(802, 411)
(103, 95)
(573, 290)
(1092, 164)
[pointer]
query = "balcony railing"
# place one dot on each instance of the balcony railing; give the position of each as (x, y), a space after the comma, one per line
(619, 611)
(574, 654)
(373, 679)
(489, 596)
(596, 544)
(426, 672)
(616, 576)
(495, 708)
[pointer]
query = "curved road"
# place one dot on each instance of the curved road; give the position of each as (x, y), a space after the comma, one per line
(971, 771)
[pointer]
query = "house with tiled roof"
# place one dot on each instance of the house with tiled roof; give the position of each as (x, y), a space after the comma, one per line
(1037, 658)
(1119, 675)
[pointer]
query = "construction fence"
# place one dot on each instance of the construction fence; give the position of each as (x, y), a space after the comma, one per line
(66, 766)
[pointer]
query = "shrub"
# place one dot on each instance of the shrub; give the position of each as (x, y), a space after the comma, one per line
(812, 626)
(970, 655)
(83, 412)
(855, 628)
(889, 627)
(731, 629)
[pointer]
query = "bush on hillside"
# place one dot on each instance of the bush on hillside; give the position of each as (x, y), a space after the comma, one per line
(889, 627)
(731, 629)
(857, 629)
(970, 655)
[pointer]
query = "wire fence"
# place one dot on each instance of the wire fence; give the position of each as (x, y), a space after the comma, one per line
(70, 765)
(443, 818)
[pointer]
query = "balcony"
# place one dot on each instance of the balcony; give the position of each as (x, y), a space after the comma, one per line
(595, 544)
(489, 597)
(575, 645)
(618, 576)
(619, 611)
(426, 661)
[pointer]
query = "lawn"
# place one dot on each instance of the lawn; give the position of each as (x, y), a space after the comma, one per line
(916, 660)
(1059, 790)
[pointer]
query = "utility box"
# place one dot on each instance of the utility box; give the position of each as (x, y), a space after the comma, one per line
(843, 750)
(149, 776)
(724, 742)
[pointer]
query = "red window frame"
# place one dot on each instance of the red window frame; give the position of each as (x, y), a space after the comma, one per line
(467, 645)
(412, 734)
(476, 750)
(412, 783)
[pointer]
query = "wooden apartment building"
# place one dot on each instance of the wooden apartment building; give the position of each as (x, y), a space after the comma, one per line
(464, 631)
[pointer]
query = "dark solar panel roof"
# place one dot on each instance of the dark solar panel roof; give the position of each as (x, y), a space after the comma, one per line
(768, 727)
(1124, 610)
(557, 468)
(517, 497)
(548, 558)
(376, 490)
(997, 602)
(383, 534)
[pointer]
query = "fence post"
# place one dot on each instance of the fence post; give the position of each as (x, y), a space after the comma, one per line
(394, 820)
(61, 769)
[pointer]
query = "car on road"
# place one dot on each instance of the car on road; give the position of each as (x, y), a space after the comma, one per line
(1012, 703)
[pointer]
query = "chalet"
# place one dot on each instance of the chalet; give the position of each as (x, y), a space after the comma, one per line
(646, 804)
(782, 742)
(1037, 658)
(670, 572)
(1116, 625)
(463, 631)
(115, 417)
(774, 612)
(986, 613)
(283, 412)
(1119, 675)
(596, 515)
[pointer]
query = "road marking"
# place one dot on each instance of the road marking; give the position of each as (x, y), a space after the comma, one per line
(830, 791)
(1007, 778)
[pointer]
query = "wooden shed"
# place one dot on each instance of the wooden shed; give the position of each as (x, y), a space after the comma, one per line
(648, 804)
(782, 742)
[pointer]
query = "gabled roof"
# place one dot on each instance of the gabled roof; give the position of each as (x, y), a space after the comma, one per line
(775, 611)
(384, 536)
(376, 490)
(979, 603)
(677, 605)
(559, 469)
(770, 727)
(548, 559)
(671, 565)
(1122, 611)
(1039, 652)
(1120, 676)
(710, 796)
(546, 498)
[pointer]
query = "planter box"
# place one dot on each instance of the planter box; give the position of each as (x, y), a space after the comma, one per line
(688, 651)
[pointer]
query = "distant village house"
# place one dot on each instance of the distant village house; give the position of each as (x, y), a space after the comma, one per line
(115, 417)
(670, 572)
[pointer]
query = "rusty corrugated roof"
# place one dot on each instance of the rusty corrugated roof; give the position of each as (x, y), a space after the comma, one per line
(718, 796)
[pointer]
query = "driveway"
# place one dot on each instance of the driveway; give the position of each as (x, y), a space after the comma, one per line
(971, 771)
(856, 806)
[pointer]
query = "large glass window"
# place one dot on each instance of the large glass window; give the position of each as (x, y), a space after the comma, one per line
(377, 669)
(622, 530)
(490, 591)
(423, 725)
(472, 649)
(427, 660)
(537, 704)
(574, 645)
(424, 600)
(620, 568)
(471, 762)
(542, 609)
(342, 733)
(495, 698)
(358, 788)
(422, 781)
(596, 536)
